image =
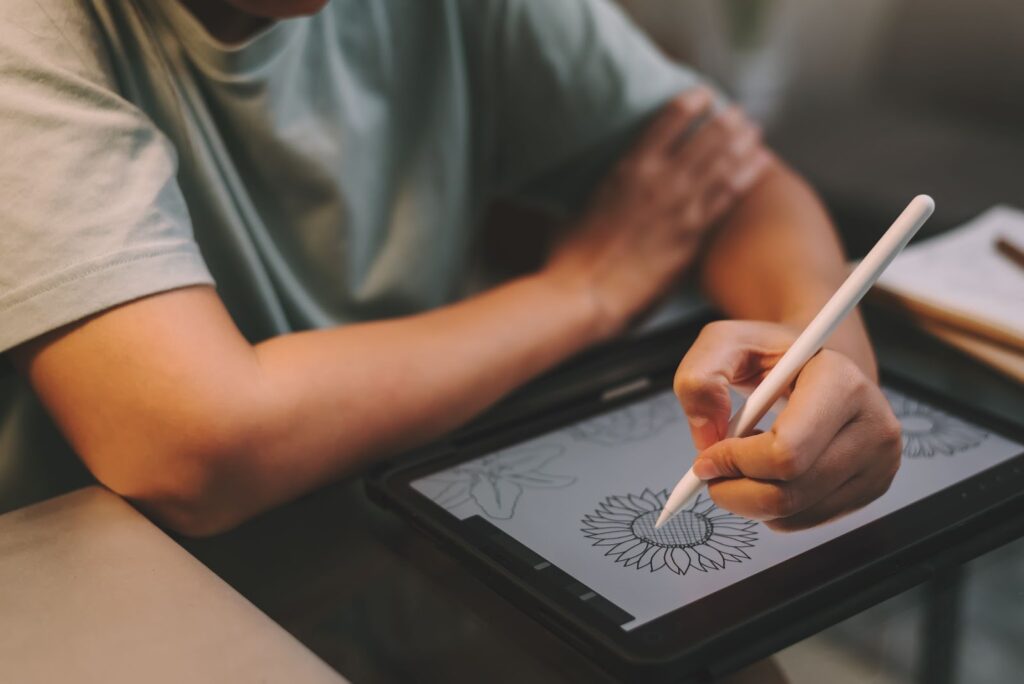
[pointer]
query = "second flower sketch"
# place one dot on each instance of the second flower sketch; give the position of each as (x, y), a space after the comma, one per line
(930, 432)
(495, 483)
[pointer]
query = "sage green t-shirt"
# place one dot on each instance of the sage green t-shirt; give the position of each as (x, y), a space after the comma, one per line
(329, 170)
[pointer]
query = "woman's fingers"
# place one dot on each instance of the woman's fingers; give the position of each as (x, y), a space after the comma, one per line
(642, 180)
(726, 135)
(729, 178)
(748, 172)
(857, 491)
(662, 136)
(829, 393)
(732, 170)
(725, 353)
(763, 499)
(816, 491)
(855, 494)
(680, 157)
(692, 166)
(825, 398)
(806, 470)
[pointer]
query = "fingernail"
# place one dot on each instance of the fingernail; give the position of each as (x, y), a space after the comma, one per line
(706, 469)
(703, 431)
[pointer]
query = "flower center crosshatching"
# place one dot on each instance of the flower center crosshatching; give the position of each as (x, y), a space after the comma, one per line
(701, 537)
(929, 432)
(687, 527)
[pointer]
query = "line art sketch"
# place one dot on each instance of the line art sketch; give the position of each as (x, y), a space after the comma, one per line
(930, 432)
(632, 423)
(701, 537)
(495, 483)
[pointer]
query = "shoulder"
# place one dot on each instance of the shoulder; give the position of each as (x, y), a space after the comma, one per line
(577, 45)
(571, 40)
(40, 37)
(561, 21)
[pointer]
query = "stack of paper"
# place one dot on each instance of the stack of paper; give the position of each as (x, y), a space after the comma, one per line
(959, 287)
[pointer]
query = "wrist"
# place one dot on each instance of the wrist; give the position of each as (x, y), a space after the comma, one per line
(850, 338)
(576, 293)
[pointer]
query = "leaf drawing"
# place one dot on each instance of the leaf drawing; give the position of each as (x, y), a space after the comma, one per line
(495, 483)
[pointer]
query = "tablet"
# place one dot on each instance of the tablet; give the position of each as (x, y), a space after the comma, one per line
(560, 513)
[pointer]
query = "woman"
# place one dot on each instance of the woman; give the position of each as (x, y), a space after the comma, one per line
(325, 165)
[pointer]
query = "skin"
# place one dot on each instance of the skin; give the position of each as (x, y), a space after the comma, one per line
(171, 407)
(235, 20)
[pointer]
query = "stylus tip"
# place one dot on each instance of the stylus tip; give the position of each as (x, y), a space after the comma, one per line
(662, 518)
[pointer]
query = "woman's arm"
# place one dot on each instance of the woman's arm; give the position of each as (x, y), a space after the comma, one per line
(170, 406)
(777, 258)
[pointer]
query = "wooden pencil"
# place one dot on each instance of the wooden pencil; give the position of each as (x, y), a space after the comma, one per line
(1010, 251)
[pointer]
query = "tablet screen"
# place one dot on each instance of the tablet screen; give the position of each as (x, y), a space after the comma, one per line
(585, 498)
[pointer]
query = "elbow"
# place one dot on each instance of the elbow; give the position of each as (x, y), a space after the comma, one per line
(190, 514)
(192, 507)
(195, 487)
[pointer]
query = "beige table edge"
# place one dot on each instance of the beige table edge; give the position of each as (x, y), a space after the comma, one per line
(91, 591)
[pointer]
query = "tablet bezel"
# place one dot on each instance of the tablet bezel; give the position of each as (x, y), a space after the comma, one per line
(758, 614)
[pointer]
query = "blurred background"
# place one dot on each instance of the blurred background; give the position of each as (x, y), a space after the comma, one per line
(875, 101)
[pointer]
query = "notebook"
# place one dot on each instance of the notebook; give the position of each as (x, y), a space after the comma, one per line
(1007, 361)
(960, 280)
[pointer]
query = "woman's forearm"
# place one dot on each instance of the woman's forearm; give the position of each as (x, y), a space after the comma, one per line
(170, 406)
(777, 258)
(340, 396)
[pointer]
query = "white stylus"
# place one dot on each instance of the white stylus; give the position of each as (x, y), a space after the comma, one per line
(811, 339)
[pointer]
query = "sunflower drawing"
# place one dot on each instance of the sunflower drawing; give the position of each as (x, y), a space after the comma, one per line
(629, 424)
(929, 432)
(701, 537)
(495, 483)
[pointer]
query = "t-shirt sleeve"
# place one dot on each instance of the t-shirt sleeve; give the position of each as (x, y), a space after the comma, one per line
(90, 212)
(567, 86)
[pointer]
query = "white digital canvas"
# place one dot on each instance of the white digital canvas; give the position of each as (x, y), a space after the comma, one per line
(585, 498)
